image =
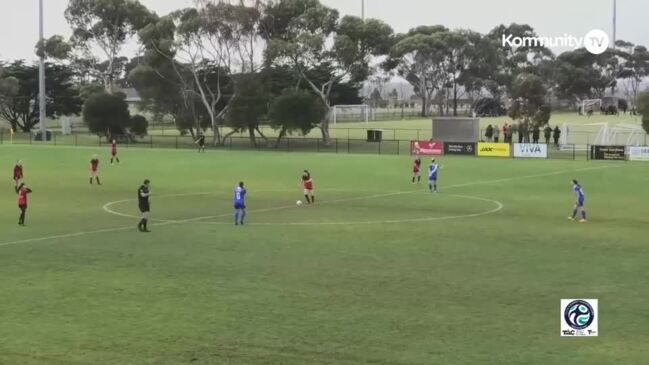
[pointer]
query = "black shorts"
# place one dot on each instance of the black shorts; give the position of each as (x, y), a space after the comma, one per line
(144, 208)
(23, 207)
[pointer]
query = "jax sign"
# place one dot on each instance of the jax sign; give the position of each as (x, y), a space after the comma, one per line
(529, 150)
(494, 150)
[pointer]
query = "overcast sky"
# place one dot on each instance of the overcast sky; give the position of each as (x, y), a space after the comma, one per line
(18, 29)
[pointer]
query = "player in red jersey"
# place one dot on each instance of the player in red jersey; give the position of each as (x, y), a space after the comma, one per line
(22, 192)
(416, 170)
(113, 152)
(307, 184)
(18, 173)
(94, 169)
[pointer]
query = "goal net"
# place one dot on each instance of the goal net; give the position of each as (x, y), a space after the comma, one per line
(351, 113)
(621, 135)
(580, 136)
(591, 105)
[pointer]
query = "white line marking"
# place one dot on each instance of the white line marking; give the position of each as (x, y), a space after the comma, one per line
(118, 229)
(499, 207)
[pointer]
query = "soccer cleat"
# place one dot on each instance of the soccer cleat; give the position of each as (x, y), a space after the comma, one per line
(583, 221)
(571, 218)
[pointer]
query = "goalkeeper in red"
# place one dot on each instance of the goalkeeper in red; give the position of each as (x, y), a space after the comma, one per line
(307, 184)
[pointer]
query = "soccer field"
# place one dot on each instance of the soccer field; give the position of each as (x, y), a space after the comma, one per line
(378, 272)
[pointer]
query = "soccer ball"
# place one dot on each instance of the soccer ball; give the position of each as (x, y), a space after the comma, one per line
(298, 203)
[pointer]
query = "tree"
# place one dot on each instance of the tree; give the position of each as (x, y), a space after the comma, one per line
(643, 109)
(528, 105)
(107, 115)
(9, 87)
(582, 75)
(416, 57)
(104, 25)
(251, 105)
(139, 125)
(304, 34)
(295, 111)
(209, 43)
(164, 94)
(514, 60)
(633, 69)
(20, 106)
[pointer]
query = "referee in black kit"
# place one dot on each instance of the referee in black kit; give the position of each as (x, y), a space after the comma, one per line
(143, 194)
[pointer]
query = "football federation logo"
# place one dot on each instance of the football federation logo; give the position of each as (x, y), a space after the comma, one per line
(579, 317)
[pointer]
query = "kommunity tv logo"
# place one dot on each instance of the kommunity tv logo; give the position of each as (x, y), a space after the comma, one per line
(595, 41)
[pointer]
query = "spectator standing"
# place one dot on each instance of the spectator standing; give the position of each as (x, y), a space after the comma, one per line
(556, 135)
(496, 134)
(489, 133)
(547, 133)
(536, 135)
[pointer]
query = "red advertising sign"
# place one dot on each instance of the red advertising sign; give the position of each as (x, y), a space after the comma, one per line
(427, 148)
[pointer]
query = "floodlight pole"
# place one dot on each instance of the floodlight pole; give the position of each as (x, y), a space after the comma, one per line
(614, 23)
(42, 112)
(363, 10)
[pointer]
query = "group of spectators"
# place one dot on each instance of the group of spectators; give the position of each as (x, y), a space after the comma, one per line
(493, 133)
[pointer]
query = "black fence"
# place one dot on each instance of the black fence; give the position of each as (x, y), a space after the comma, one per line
(335, 145)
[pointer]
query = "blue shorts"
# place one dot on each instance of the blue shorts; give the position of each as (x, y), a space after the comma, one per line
(580, 202)
(434, 178)
(239, 205)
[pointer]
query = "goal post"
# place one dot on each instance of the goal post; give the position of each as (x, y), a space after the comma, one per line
(351, 113)
(591, 105)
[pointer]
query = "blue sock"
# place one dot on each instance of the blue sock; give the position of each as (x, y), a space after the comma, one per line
(583, 214)
(236, 217)
(574, 213)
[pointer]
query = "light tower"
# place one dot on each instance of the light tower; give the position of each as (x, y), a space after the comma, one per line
(614, 23)
(42, 112)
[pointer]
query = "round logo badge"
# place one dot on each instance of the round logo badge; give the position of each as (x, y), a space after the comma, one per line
(579, 314)
(596, 41)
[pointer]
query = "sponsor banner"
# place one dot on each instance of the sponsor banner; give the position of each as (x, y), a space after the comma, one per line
(494, 150)
(617, 153)
(579, 318)
(529, 150)
(639, 154)
(459, 148)
(426, 148)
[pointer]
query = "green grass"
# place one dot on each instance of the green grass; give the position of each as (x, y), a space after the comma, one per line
(82, 286)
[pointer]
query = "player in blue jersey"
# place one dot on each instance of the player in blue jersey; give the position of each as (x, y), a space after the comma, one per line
(579, 205)
(433, 169)
(239, 204)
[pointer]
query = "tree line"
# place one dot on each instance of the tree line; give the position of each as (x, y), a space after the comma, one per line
(286, 63)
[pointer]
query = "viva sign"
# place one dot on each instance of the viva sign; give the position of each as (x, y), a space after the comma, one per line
(528, 150)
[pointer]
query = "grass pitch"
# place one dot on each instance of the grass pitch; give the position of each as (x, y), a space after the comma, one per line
(378, 272)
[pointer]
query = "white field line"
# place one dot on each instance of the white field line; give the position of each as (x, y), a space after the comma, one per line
(499, 207)
(126, 228)
(385, 195)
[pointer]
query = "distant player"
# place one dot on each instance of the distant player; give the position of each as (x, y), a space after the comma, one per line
(143, 194)
(307, 184)
(94, 169)
(201, 142)
(22, 190)
(432, 176)
(579, 205)
(18, 173)
(416, 170)
(239, 204)
(113, 152)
